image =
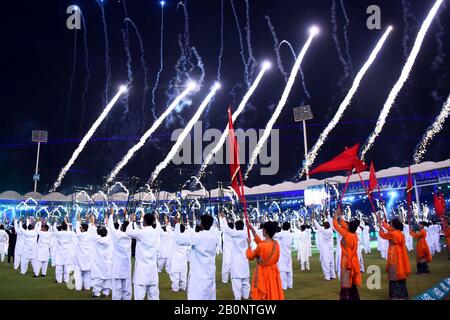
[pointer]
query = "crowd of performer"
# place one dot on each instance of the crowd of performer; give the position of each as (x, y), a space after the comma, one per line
(99, 253)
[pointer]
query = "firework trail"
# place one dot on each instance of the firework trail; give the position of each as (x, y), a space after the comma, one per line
(72, 78)
(88, 72)
(345, 103)
(403, 78)
(222, 24)
(107, 58)
(337, 44)
(407, 16)
(142, 60)
(241, 43)
(276, 48)
(126, 45)
(191, 87)
(294, 55)
(184, 134)
(235, 115)
(251, 63)
(161, 62)
(302, 76)
(87, 137)
(346, 39)
(439, 61)
(313, 32)
(437, 126)
(186, 26)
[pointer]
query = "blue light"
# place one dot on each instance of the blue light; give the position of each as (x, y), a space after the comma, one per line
(162, 3)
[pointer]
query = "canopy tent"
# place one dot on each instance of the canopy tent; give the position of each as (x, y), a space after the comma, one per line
(215, 193)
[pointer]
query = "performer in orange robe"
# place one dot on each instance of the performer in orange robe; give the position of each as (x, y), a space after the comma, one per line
(398, 266)
(350, 270)
(423, 255)
(266, 284)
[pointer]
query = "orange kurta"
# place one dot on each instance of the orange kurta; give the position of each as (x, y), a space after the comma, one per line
(350, 269)
(266, 284)
(398, 266)
(423, 253)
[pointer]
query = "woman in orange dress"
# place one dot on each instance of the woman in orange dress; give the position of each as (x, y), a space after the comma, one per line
(398, 266)
(350, 270)
(266, 284)
(423, 255)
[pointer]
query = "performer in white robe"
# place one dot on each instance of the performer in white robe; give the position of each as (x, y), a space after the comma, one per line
(165, 246)
(145, 278)
(359, 249)
(102, 263)
(309, 231)
(62, 242)
(121, 260)
(19, 247)
(285, 238)
(226, 253)
(29, 249)
(303, 245)
(365, 237)
(4, 242)
(86, 235)
(202, 271)
(326, 249)
(178, 265)
(408, 238)
(240, 272)
(43, 249)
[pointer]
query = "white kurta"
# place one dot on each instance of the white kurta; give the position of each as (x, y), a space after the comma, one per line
(121, 258)
(29, 249)
(166, 243)
(226, 257)
(366, 239)
(239, 263)
(43, 245)
(303, 242)
(408, 238)
(326, 250)
(284, 238)
(102, 260)
(147, 241)
(62, 243)
(85, 247)
(202, 281)
(4, 239)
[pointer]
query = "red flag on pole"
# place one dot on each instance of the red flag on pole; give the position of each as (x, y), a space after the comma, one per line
(409, 188)
(235, 168)
(346, 161)
(373, 182)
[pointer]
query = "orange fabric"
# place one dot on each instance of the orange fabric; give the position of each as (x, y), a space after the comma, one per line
(266, 284)
(423, 253)
(350, 270)
(398, 266)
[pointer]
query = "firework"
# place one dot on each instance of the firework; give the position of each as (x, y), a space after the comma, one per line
(184, 134)
(313, 32)
(345, 103)
(191, 87)
(236, 114)
(437, 126)
(87, 137)
(403, 78)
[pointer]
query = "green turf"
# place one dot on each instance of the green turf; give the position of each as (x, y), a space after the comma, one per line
(307, 284)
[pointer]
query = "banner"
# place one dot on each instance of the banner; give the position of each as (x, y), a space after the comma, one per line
(438, 292)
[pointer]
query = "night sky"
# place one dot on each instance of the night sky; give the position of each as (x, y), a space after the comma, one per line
(37, 59)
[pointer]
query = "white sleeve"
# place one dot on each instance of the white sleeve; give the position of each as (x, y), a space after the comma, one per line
(133, 233)
(183, 239)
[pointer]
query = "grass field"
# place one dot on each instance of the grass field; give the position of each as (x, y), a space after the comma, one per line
(307, 284)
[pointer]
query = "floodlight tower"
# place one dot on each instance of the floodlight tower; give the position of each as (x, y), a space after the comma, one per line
(38, 136)
(302, 114)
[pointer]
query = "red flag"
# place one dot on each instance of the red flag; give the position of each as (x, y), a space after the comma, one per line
(439, 205)
(347, 160)
(409, 187)
(235, 168)
(373, 182)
